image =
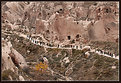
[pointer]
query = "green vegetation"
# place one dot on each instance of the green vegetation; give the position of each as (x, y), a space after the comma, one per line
(109, 46)
(6, 73)
(76, 52)
(96, 68)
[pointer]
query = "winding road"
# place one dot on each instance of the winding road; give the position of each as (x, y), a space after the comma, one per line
(34, 41)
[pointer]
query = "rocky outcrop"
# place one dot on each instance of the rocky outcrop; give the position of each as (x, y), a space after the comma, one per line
(21, 78)
(11, 59)
(93, 21)
(18, 58)
(7, 62)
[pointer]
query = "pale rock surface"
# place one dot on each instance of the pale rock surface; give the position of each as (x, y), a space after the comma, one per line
(21, 78)
(66, 60)
(7, 62)
(20, 59)
(113, 67)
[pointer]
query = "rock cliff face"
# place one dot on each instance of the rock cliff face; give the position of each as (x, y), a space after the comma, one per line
(7, 62)
(19, 58)
(92, 20)
(66, 27)
(11, 59)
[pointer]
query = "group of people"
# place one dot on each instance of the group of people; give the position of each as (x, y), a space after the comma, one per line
(50, 45)
(69, 46)
(106, 53)
(37, 42)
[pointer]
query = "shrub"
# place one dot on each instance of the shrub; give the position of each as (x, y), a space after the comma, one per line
(26, 69)
(99, 63)
(41, 67)
(5, 75)
(8, 72)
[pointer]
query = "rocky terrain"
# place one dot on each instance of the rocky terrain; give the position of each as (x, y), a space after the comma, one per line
(65, 23)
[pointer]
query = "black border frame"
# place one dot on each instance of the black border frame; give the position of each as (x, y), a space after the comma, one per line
(69, 81)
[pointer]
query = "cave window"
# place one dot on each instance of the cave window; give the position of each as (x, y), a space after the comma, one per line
(77, 22)
(77, 36)
(6, 21)
(108, 10)
(8, 57)
(108, 28)
(47, 31)
(99, 9)
(39, 13)
(48, 13)
(114, 12)
(14, 61)
(69, 37)
(60, 9)
(25, 13)
(57, 11)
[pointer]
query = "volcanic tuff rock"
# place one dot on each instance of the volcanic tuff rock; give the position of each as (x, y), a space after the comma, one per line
(7, 62)
(11, 58)
(66, 19)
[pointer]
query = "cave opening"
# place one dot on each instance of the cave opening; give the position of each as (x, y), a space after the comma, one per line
(108, 10)
(8, 57)
(69, 37)
(61, 9)
(13, 59)
(15, 62)
(77, 36)
(77, 22)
